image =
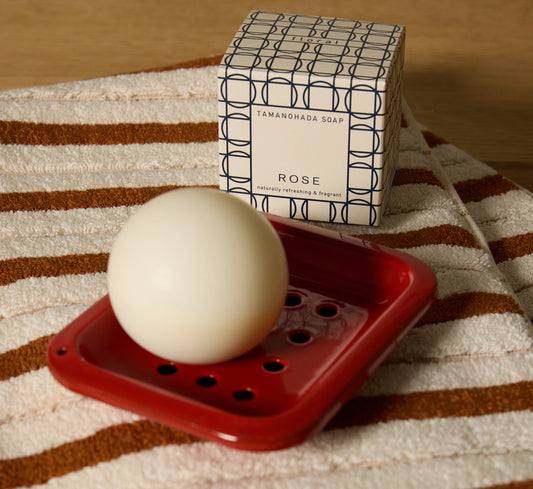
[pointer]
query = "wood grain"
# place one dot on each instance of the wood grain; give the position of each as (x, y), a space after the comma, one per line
(468, 68)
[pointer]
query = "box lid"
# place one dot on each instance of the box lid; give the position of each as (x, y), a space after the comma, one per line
(313, 45)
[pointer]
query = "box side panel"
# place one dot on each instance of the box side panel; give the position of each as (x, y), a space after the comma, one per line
(393, 114)
(234, 123)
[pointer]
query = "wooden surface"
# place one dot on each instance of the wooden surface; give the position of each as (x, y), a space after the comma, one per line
(468, 67)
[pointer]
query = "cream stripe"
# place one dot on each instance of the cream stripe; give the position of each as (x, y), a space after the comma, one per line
(526, 298)
(131, 178)
(461, 281)
(514, 225)
(410, 140)
(393, 377)
(19, 330)
(70, 421)
(178, 84)
(31, 394)
(489, 334)
(55, 246)
(474, 470)
(497, 208)
(519, 271)
(21, 159)
(384, 448)
(412, 159)
(34, 294)
(467, 471)
(59, 223)
(446, 257)
(459, 165)
(109, 112)
(408, 198)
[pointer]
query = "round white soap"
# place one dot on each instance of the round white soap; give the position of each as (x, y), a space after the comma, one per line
(197, 276)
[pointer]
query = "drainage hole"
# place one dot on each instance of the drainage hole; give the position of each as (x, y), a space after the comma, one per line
(299, 337)
(206, 381)
(243, 395)
(62, 351)
(167, 369)
(274, 366)
(327, 311)
(293, 300)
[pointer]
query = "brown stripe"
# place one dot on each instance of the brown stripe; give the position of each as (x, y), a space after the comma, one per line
(432, 139)
(105, 445)
(110, 443)
(512, 247)
(444, 234)
(469, 304)
(469, 402)
(197, 63)
(33, 133)
(405, 176)
(403, 121)
(481, 188)
(26, 358)
(527, 484)
(51, 266)
(81, 199)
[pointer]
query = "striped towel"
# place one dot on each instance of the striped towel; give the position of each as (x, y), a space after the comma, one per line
(450, 407)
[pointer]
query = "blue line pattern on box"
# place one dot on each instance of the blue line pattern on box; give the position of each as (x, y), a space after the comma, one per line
(279, 61)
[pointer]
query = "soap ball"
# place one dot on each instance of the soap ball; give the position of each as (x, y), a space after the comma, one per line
(197, 276)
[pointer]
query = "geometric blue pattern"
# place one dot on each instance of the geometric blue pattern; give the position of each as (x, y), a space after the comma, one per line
(279, 62)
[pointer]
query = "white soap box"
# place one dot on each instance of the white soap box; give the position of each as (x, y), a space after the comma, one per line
(309, 113)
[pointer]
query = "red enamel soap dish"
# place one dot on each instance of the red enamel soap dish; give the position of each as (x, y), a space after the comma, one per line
(349, 303)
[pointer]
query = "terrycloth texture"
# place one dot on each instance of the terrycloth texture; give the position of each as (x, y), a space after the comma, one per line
(450, 408)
